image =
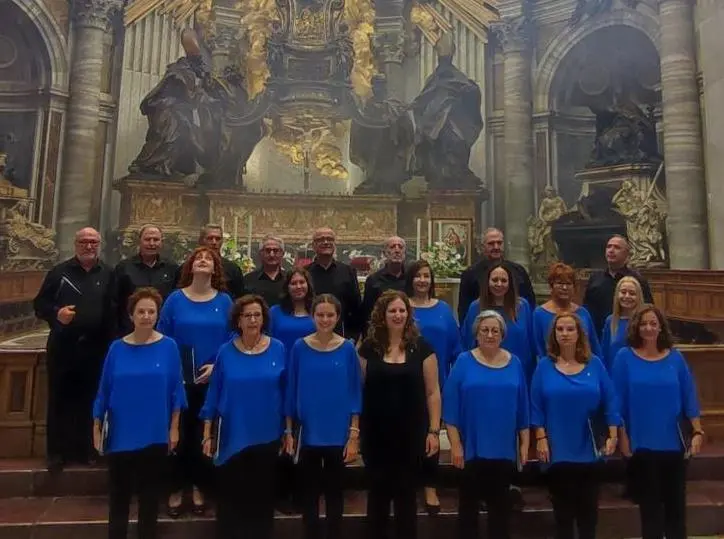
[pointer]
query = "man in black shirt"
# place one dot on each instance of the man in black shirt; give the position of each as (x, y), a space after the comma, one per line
(598, 298)
(267, 281)
(213, 237)
(146, 268)
(77, 300)
(390, 277)
(330, 276)
(493, 246)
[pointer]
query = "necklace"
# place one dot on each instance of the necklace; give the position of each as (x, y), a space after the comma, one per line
(253, 347)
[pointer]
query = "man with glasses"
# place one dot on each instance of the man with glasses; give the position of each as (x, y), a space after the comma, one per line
(212, 236)
(330, 276)
(77, 300)
(267, 281)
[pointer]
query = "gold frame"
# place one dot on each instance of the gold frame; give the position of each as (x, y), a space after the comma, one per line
(467, 226)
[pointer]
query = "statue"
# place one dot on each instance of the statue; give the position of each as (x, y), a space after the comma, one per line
(448, 121)
(624, 134)
(383, 153)
(591, 8)
(181, 117)
(6, 173)
(26, 245)
(543, 248)
(645, 215)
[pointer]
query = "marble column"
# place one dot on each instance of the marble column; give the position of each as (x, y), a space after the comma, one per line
(390, 46)
(683, 149)
(515, 38)
(91, 20)
(226, 22)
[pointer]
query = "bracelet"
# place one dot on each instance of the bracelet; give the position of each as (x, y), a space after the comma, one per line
(434, 432)
(541, 438)
(697, 433)
(353, 429)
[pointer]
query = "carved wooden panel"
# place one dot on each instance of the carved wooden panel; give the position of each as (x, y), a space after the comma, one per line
(707, 365)
(17, 286)
(17, 372)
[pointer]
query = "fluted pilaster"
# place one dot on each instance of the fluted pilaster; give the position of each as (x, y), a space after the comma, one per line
(515, 38)
(683, 151)
(389, 44)
(91, 19)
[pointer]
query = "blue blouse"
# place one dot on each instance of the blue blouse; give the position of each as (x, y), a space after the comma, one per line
(438, 326)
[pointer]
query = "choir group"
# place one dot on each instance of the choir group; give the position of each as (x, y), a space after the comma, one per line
(202, 381)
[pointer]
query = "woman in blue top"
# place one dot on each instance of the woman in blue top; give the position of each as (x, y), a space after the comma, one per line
(572, 403)
(324, 397)
(562, 280)
(486, 410)
(627, 297)
(246, 397)
(661, 415)
(197, 318)
(291, 319)
(136, 415)
(436, 322)
(499, 294)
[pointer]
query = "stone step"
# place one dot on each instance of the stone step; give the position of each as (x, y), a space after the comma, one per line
(79, 517)
(20, 478)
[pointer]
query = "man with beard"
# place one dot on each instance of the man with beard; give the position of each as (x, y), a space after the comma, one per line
(390, 277)
(77, 300)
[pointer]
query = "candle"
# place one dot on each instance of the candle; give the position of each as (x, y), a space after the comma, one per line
(429, 233)
(417, 243)
(439, 231)
(248, 231)
(236, 231)
(222, 225)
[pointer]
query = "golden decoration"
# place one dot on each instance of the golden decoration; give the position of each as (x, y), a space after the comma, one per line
(257, 18)
(476, 15)
(309, 141)
(360, 18)
(543, 248)
(181, 10)
(429, 21)
(310, 25)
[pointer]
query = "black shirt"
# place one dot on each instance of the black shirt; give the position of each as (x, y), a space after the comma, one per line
(598, 298)
(133, 273)
(234, 279)
(377, 283)
(340, 280)
(258, 282)
(470, 284)
(93, 293)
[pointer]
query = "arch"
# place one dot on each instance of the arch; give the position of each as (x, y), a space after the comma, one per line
(52, 36)
(563, 43)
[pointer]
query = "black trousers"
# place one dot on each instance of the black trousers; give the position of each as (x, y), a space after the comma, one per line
(488, 480)
(392, 483)
(429, 470)
(322, 472)
(142, 471)
(189, 466)
(574, 492)
(661, 491)
(245, 495)
(72, 387)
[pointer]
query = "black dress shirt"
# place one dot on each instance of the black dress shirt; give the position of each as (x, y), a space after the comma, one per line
(340, 280)
(258, 282)
(598, 298)
(234, 279)
(470, 284)
(93, 293)
(133, 273)
(375, 285)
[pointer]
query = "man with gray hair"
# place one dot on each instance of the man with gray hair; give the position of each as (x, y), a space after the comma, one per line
(212, 236)
(391, 276)
(77, 300)
(146, 268)
(267, 281)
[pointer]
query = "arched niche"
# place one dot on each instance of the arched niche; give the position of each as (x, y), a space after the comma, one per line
(606, 66)
(31, 114)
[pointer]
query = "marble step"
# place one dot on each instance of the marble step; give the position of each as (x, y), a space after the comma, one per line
(28, 477)
(85, 517)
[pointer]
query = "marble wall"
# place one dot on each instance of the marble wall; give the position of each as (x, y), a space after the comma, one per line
(710, 21)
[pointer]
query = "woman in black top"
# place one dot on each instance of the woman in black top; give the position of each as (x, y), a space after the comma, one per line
(400, 422)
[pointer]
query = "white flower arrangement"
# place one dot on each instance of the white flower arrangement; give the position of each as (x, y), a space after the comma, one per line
(237, 253)
(444, 260)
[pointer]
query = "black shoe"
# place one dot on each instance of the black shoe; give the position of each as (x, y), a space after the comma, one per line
(432, 509)
(199, 509)
(55, 464)
(516, 499)
(174, 512)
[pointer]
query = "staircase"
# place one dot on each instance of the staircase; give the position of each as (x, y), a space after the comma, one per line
(72, 504)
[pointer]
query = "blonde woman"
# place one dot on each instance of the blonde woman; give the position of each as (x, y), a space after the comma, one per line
(626, 299)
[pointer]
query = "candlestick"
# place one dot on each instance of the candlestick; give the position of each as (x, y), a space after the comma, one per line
(429, 233)
(248, 228)
(417, 243)
(439, 231)
(222, 224)
(236, 231)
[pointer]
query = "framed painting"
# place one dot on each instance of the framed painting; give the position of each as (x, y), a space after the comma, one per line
(458, 234)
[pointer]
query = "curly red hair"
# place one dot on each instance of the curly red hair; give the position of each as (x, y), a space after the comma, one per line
(561, 273)
(218, 281)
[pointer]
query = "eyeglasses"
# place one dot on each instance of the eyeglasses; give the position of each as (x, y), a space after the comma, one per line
(272, 250)
(250, 316)
(562, 284)
(324, 239)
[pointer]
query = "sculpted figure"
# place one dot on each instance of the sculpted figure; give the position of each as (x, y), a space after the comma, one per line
(543, 247)
(179, 110)
(447, 124)
(624, 134)
(383, 153)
